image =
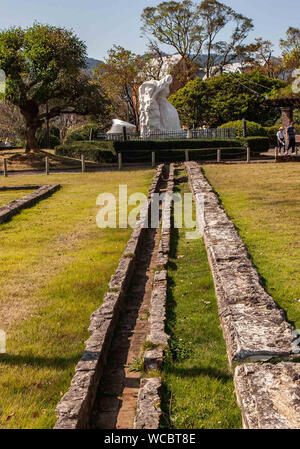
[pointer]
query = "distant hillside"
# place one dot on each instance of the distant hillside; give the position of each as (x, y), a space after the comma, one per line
(92, 63)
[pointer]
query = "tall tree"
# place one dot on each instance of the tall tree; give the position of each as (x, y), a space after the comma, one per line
(189, 28)
(176, 24)
(44, 65)
(265, 61)
(120, 76)
(291, 49)
(215, 16)
(155, 61)
(234, 47)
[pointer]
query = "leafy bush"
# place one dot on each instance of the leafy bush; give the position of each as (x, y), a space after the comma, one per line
(272, 134)
(253, 129)
(54, 139)
(82, 132)
(256, 144)
(93, 150)
(225, 98)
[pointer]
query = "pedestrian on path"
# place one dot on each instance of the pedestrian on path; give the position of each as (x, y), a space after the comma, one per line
(281, 139)
(291, 135)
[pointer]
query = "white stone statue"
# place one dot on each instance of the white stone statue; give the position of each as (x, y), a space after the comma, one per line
(156, 112)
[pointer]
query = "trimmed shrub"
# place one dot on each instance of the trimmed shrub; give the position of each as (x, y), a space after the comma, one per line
(256, 144)
(185, 144)
(178, 155)
(166, 150)
(93, 150)
(253, 129)
(82, 132)
(272, 134)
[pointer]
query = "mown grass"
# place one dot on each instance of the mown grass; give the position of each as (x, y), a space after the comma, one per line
(199, 390)
(263, 201)
(9, 195)
(55, 264)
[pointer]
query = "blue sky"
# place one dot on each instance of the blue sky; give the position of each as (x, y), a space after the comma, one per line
(102, 23)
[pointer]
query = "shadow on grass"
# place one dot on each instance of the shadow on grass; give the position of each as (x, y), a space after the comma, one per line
(196, 371)
(166, 394)
(42, 362)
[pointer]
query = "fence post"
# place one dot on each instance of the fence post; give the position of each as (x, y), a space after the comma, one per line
(120, 160)
(124, 133)
(219, 155)
(153, 158)
(5, 167)
(186, 156)
(248, 155)
(47, 165)
(82, 164)
(276, 154)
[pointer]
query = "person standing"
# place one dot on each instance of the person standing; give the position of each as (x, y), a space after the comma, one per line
(281, 139)
(291, 135)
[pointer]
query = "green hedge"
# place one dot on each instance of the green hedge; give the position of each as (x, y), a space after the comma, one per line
(178, 155)
(256, 144)
(93, 150)
(253, 129)
(184, 144)
(166, 150)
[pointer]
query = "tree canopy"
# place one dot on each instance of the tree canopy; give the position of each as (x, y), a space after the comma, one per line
(120, 75)
(291, 48)
(44, 67)
(226, 98)
(190, 28)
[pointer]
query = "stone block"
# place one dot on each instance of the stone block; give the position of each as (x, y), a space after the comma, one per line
(269, 395)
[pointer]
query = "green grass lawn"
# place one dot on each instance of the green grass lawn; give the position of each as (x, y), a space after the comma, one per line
(55, 264)
(10, 195)
(198, 385)
(263, 201)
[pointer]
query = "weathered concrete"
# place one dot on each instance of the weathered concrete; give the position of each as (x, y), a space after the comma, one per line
(148, 411)
(254, 327)
(75, 407)
(269, 395)
(153, 358)
(15, 206)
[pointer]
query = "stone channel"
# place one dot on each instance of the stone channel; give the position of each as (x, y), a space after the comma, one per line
(15, 206)
(254, 327)
(107, 389)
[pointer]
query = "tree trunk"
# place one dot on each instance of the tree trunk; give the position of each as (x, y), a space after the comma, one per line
(30, 111)
(31, 141)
